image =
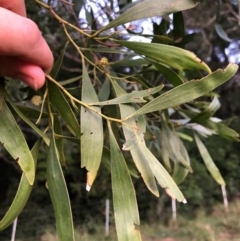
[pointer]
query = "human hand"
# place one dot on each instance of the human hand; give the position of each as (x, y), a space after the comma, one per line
(24, 54)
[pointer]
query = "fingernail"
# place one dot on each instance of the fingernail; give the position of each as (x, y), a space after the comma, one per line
(28, 80)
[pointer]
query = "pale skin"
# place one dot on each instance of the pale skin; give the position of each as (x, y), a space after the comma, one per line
(24, 54)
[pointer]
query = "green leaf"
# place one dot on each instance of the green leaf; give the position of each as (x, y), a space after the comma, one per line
(162, 176)
(210, 165)
(188, 91)
(58, 140)
(151, 8)
(13, 140)
(59, 195)
(169, 55)
(222, 130)
(91, 130)
(177, 153)
(61, 105)
(208, 111)
(124, 197)
(57, 65)
(133, 97)
(169, 74)
(221, 33)
(130, 135)
(22, 195)
(27, 121)
(104, 92)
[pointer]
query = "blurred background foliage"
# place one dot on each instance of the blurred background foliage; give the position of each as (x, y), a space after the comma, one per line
(199, 188)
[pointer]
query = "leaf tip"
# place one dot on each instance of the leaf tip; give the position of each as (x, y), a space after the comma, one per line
(184, 201)
(88, 187)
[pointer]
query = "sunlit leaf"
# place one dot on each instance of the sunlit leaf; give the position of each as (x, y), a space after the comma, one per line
(188, 91)
(151, 8)
(124, 197)
(169, 55)
(210, 165)
(22, 195)
(91, 131)
(59, 195)
(14, 142)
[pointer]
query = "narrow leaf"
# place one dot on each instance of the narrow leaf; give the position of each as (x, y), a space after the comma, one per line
(169, 74)
(151, 8)
(169, 55)
(61, 105)
(58, 140)
(91, 130)
(124, 198)
(130, 135)
(27, 121)
(210, 165)
(59, 195)
(58, 62)
(221, 33)
(188, 91)
(22, 195)
(13, 140)
(133, 97)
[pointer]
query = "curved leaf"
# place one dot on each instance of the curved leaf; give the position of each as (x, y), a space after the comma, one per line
(13, 140)
(169, 55)
(188, 91)
(131, 139)
(22, 195)
(59, 195)
(151, 8)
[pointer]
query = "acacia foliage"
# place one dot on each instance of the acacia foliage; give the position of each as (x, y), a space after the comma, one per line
(113, 113)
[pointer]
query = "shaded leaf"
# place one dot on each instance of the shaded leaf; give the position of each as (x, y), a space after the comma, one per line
(188, 91)
(57, 65)
(22, 195)
(61, 105)
(210, 165)
(124, 197)
(221, 33)
(169, 74)
(59, 195)
(13, 140)
(133, 97)
(222, 130)
(27, 121)
(91, 130)
(58, 140)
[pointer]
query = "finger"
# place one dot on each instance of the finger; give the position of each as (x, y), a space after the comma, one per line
(20, 37)
(31, 74)
(16, 6)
